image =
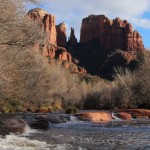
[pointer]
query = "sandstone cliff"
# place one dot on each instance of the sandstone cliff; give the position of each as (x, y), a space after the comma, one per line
(56, 38)
(106, 44)
(61, 34)
(112, 34)
(72, 39)
(48, 23)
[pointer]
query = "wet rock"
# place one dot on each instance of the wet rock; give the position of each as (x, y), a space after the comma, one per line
(124, 116)
(53, 118)
(11, 124)
(94, 116)
(142, 117)
(40, 124)
(139, 113)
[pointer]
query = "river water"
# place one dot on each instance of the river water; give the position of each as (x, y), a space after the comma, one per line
(78, 135)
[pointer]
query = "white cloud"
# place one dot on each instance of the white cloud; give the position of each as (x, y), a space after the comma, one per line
(72, 11)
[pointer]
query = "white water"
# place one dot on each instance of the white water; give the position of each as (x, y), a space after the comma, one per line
(19, 142)
(14, 142)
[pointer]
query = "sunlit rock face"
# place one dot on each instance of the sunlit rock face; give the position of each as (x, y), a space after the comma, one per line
(106, 44)
(48, 23)
(112, 34)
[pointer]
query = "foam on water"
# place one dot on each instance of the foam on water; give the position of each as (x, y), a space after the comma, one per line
(15, 142)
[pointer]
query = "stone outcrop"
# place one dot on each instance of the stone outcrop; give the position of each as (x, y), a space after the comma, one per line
(72, 39)
(48, 23)
(54, 49)
(56, 52)
(61, 34)
(112, 34)
(106, 44)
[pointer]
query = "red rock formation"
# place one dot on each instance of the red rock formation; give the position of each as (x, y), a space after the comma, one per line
(56, 52)
(72, 40)
(48, 23)
(55, 37)
(112, 34)
(61, 34)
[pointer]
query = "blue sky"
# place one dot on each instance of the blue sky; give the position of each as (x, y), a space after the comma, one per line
(137, 12)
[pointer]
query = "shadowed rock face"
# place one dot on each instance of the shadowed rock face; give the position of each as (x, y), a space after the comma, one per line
(72, 40)
(61, 34)
(106, 44)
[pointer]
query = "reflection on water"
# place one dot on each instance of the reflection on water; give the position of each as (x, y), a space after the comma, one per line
(75, 135)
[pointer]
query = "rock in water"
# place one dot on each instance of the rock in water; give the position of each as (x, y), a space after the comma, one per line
(40, 124)
(124, 115)
(94, 116)
(11, 124)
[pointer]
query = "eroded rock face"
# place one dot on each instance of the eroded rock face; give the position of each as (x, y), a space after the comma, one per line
(48, 23)
(61, 34)
(112, 34)
(106, 44)
(72, 40)
(54, 49)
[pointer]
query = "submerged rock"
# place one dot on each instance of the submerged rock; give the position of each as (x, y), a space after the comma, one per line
(53, 118)
(40, 124)
(11, 124)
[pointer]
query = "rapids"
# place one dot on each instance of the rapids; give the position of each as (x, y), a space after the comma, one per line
(80, 135)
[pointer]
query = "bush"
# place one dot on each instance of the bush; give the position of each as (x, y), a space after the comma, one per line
(71, 110)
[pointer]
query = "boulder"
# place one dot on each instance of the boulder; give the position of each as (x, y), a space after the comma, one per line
(11, 124)
(94, 116)
(40, 124)
(53, 118)
(139, 113)
(124, 116)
